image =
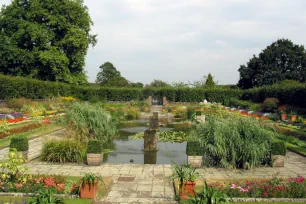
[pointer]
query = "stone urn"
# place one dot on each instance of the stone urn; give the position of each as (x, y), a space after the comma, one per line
(195, 161)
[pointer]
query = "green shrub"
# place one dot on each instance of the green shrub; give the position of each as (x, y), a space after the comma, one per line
(84, 119)
(18, 103)
(63, 151)
(94, 147)
(194, 149)
(234, 142)
(20, 143)
(278, 148)
(270, 104)
(132, 113)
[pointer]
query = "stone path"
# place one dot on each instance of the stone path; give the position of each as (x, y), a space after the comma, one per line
(35, 145)
(137, 183)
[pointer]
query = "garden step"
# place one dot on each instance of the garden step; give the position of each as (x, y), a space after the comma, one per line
(135, 200)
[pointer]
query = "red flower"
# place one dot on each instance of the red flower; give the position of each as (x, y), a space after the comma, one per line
(299, 179)
(266, 194)
(49, 182)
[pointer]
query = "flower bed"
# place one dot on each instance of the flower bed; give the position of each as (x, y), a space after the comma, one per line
(32, 184)
(275, 188)
(17, 130)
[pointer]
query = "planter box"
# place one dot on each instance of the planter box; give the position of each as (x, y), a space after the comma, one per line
(89, 192)
(278, 160)
(293, 118)
(186, 190)
(195, 161)
(94, 159)
(284, 116)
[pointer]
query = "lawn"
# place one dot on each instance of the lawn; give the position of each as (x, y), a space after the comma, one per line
(32, 133)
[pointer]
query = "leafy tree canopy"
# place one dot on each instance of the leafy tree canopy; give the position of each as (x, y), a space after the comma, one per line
(45, 39)
(118, 81)
(158, 84)
(280, 61)
(107, 72)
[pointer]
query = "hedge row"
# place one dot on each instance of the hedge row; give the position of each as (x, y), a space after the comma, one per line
(16, 87)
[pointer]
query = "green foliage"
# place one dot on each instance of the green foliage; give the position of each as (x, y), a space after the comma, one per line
(270, 104)
(118, 81)
(108, 71)
(91, 179)
(282, 60)
(20, 143)
(4, 127)
(12, 169)
(45, 196)
(63, 151)
(184, 173)
(46, 40)
(94, 146)
(278, 148)
(132, 113)
(158, 84)
(210, 81)
(234, 142)
(18, 103)
(209, 195)
(194, 149)
(173, 136)
(85, 119)
(234, 102)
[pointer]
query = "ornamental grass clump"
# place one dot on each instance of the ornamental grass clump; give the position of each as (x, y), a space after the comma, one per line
(63, 151)
(234, 142)
(85, 120)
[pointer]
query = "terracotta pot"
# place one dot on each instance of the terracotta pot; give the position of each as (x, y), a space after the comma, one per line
(293, 118)
(94, 159)
(89, 192)
(284, 116)
(198, 109)
(186, 190)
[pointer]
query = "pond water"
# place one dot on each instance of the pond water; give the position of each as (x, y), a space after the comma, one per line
(127, 150)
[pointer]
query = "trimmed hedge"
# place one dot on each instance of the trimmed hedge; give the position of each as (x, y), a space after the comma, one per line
(17, 87)
(94, 146)
(194, 149)
(278, 148)
(20, 143)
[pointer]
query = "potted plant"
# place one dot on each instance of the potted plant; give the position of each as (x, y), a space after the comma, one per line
(186, 177)
(89, 185)
(94, 152)
(21, 144)
(293, 116)
(278, 151)
(283, 115)
(194, 154)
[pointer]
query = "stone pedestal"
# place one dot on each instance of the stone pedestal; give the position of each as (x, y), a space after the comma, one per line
(165, 101)
(150, 140)
(154, 123)
(150, 157)
(149, 100)
(195, 161)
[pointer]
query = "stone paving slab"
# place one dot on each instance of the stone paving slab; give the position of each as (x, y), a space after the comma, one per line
(150, 183)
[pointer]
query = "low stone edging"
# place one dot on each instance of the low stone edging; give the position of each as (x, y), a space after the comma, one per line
(33, 194)
(270, 200)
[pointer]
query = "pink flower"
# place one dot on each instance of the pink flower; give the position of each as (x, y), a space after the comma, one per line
(233, 186)
(18, 185)
(244, 190)
(300, 179)
(49, 182)
(290, 180)
(266, 194)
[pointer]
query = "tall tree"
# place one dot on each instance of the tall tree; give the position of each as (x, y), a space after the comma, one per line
(118, 81)
(280, 61)
(210, 81)
(158, 84)
(45, 39)
(107, 72)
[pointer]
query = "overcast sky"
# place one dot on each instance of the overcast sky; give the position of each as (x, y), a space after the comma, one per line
(182, 40)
